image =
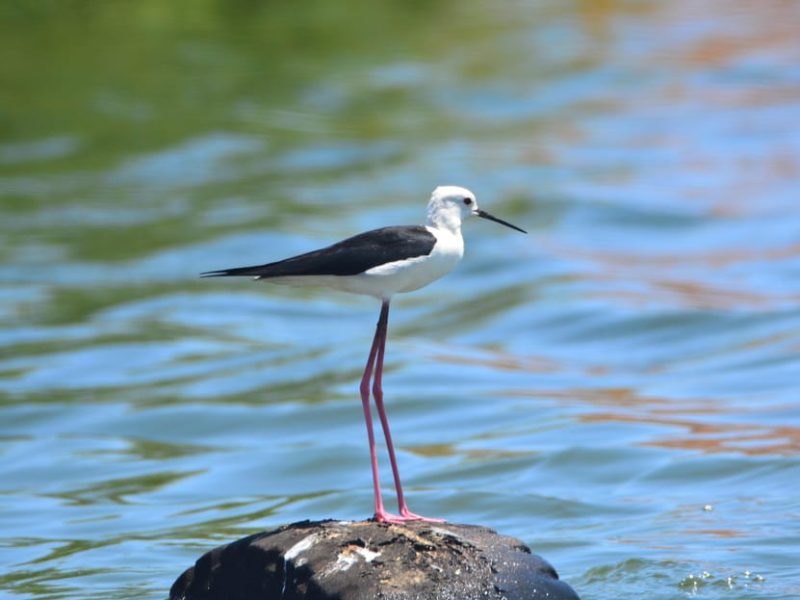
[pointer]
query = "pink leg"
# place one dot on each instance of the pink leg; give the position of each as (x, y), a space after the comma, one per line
(380, 513)
(377, 393)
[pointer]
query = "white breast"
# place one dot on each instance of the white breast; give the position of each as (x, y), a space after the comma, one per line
(414, 273)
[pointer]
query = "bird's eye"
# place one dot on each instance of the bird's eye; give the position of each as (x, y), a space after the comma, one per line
(467, 201)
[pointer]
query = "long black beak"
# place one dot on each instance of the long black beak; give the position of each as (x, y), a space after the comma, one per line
(484, 215)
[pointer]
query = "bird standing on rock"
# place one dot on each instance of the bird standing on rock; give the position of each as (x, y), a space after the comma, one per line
(381, 263)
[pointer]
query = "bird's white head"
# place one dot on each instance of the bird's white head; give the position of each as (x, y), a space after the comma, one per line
(450, 205)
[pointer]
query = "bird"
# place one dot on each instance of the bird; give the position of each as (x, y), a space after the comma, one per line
(381, 263)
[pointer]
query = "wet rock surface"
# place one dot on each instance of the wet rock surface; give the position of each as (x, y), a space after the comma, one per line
(366, 560)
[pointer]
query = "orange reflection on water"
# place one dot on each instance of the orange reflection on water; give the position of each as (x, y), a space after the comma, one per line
(639, 279)
(709, 425)
(711, 258)
(501, 361)
(720, 533)
(692, 294)
(752, 439)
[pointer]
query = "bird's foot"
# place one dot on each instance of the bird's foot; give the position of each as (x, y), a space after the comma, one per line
(404, 517)
(409, 516)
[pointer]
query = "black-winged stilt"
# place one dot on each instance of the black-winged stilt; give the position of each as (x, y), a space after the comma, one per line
(381, 263)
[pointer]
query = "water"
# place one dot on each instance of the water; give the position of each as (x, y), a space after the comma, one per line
(619, 388)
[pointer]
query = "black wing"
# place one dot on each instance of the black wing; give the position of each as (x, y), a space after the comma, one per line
(348, 257)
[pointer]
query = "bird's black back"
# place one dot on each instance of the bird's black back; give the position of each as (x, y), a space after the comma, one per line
(348, 257)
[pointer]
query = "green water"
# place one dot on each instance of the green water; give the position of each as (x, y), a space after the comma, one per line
(619, 388)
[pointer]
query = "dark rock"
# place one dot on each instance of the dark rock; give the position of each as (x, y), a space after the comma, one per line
(366, 560)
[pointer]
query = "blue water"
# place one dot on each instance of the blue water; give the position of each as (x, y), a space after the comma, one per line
(619, 389)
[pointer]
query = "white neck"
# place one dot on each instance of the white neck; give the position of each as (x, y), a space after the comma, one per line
(448, 220)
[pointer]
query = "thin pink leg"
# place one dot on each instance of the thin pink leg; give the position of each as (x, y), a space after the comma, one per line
(377, 393)
(380, 512)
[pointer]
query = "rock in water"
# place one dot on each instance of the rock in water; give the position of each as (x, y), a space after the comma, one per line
(366, 560)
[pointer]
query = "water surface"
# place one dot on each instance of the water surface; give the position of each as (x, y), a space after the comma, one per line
(619, 388)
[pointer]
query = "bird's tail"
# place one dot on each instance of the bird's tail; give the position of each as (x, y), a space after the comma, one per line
(254, 271)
